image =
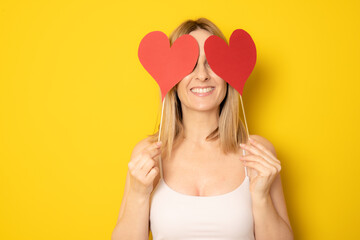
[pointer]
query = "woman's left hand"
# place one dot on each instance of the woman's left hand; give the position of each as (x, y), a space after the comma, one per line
(265, 163)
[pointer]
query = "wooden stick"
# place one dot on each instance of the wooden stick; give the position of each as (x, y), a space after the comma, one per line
(160, 163)
(247, 130)
(242, 105)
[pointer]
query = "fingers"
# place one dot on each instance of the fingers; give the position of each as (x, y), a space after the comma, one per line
(258, 150)
(147, 157)
(153, 150)
(152, 174)
(258, 167)
(262, 171)
(258, 163)
(150, 152)
(144, 166)
(263, 148)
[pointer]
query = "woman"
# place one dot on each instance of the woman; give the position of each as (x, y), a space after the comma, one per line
(209, 190)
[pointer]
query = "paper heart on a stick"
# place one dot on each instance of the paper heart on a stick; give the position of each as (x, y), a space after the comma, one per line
(168, 65)
(233, 63)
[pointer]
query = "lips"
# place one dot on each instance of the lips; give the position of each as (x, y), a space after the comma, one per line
(202, 87)
(202, 91)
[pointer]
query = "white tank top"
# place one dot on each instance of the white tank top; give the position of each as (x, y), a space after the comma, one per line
(174, 215)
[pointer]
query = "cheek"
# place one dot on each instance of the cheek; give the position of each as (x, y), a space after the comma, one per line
(223, 87)
(182, 85)
(223, 92)
(181, 91)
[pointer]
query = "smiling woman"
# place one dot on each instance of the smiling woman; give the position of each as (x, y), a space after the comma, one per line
(206, 192)
(208, 90)
(229, 123)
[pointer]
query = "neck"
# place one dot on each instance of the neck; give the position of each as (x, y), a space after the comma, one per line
(199, 124)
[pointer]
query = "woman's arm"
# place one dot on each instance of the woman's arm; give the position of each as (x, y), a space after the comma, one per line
(270, 215)
(269, 209)
(133, 220)
(133, 217)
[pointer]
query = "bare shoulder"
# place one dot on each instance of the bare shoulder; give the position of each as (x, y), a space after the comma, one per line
(267, 144)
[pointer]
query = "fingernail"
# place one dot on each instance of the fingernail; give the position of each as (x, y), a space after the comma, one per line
(159, 143)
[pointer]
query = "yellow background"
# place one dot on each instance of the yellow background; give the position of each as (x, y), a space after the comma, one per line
(74, 100)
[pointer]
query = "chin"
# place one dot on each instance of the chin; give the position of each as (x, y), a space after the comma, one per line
(205, 108)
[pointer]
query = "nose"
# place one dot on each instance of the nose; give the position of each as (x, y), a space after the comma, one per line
(201, 72)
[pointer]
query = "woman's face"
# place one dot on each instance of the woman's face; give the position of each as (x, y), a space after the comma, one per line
(202, 89)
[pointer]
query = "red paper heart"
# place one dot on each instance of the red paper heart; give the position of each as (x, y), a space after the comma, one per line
(233, 63)
(166, 65)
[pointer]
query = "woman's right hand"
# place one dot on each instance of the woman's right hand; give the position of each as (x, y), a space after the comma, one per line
(143, 168)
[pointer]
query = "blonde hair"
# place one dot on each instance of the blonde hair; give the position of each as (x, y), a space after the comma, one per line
(231, 130)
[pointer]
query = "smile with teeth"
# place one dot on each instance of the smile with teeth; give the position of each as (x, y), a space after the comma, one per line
(202, 90)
